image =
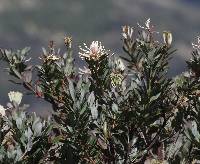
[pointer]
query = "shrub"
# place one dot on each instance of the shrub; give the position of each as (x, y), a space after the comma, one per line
(108, 112)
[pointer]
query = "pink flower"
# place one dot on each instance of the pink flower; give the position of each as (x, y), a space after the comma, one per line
(94, 52)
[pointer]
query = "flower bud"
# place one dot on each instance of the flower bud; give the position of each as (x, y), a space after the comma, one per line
(15, 97)
(68, 42)
(167, 38)
(120, 65)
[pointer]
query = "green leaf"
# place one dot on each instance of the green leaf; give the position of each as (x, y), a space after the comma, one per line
(16, 73)
(93, 106)
(71, 90)
(153, 98)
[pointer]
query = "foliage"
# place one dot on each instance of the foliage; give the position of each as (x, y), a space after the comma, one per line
(108, 112)
(23, 136)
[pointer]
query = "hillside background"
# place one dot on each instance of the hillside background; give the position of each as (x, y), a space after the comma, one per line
(34, 22)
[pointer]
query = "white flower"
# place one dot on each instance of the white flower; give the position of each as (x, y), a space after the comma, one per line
(15, 97)
(167, 37)
(94, 52)
(120, 65)
(127, 32)
(196, 46)
(2, 110)
(147, 25)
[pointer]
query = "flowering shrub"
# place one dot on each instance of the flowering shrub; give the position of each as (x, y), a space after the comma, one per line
(114, 110)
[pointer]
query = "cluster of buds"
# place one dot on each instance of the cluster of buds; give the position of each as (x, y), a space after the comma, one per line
(116, 79)
(51, 55)
(68, 42)
(94, 52)
(167, 38)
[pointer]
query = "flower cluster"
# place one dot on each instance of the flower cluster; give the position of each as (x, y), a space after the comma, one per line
(94, 52)
(116, 79)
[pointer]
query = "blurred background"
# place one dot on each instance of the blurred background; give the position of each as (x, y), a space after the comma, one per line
(34, 22)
